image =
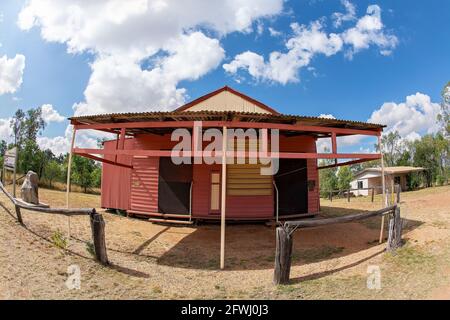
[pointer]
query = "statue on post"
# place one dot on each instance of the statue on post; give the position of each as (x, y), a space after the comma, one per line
(29, 190)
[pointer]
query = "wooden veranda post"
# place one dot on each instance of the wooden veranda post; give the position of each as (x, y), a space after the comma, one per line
(69, 169)
(223, 197)
(283, 253)
(383, 185)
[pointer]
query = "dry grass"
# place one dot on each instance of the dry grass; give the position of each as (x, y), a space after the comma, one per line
(158, 262)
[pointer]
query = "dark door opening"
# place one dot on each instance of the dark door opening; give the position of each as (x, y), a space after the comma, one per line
(291, 181)
(174, 187)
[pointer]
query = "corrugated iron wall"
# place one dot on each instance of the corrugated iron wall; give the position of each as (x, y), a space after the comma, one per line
(116, 180)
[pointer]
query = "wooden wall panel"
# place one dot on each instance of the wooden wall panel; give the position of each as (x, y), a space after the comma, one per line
(115, 188)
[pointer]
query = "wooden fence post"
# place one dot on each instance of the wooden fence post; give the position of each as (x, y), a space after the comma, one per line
(19, 215)
(348, 195)
(373, 193)
(395, 231)
(98, 237)
(283, 255)
(399, 189)
(331, 196)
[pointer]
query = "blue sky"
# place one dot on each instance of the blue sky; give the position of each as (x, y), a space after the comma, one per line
(69, 60)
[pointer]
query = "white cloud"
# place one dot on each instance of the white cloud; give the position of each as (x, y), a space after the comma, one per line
(118, 84)
(84, 139)
(11, 72)
(128, 33)
(274, 33)
(411, 118)
(349, 15)
(309, 41)
(5, 129)
(327, 116)
(49, 114)
(283, 67)
(369, 30)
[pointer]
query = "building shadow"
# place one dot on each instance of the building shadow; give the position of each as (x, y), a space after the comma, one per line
(252, 246)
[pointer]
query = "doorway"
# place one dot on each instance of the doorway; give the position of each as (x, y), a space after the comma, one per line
(174, 187)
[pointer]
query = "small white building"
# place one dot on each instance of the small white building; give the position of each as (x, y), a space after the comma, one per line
(371, 178)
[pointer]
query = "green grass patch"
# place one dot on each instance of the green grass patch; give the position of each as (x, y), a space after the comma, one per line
(59, 240)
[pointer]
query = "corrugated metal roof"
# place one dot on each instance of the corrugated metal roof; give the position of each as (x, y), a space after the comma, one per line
(391, 170)
(222, 116)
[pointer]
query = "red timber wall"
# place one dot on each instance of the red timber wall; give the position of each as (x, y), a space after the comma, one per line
(257, 207)
(305, 144)
(137, 189)
(116, 187)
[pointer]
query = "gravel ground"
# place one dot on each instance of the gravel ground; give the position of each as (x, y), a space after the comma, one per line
(150, 261)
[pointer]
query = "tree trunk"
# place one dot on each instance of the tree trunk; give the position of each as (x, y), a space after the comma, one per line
(283, 255)
(98, 237)
(395, 231)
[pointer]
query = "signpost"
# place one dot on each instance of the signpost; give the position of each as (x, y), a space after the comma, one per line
(10, 164)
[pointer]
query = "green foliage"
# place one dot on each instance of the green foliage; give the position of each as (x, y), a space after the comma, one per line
(3, 147)
(53, 171)
(431, 152)
(391, 145)
(59, 240)
(83, 169)
(90, 248)
(328, 181)
(344, 176)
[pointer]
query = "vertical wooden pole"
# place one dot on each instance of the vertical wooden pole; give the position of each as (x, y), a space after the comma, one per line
(392, 190)
(348, 195)
(283, 254)
(69, 169)
(15, 170)
(373, 193)
(395, 231)
(383, 185)
(19, 215)
(399, 189)
(223, 197)
(98, 237)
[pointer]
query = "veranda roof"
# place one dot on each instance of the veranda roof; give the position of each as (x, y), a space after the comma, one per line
(220, 116)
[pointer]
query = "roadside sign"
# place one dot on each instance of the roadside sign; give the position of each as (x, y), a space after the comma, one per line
(9, 162)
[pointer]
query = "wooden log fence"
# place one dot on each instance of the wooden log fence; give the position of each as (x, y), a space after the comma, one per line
(96, 221)
(347, 192)
(284, 236)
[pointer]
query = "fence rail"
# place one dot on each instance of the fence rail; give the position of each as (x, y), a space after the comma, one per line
(96, 221)
(397, 190)
(284, 236)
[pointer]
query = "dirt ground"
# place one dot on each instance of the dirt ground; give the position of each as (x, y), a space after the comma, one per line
(150, 261)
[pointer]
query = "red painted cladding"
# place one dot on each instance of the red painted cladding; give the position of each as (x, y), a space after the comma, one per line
(137, 189)
(305, 144)
(237, 206)
(144, 185)
(116, 180)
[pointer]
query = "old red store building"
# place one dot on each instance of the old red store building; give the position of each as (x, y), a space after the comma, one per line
(140, 177)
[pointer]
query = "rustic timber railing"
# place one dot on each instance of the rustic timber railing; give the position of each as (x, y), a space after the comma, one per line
(96, 220)
(284, 236)
(347, 192)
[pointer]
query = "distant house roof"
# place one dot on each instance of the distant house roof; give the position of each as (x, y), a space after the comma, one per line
(390, 170)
